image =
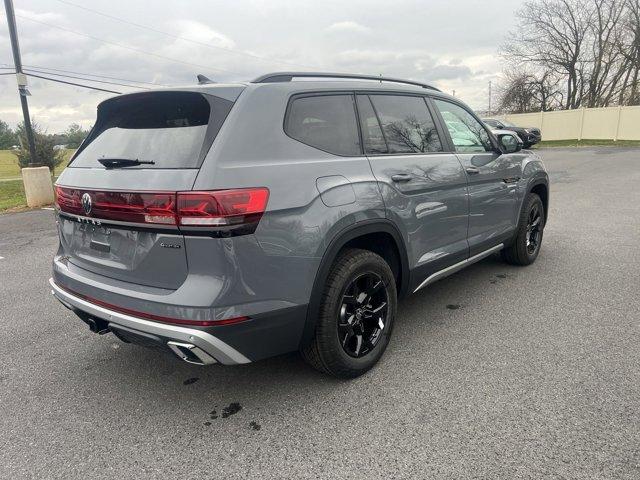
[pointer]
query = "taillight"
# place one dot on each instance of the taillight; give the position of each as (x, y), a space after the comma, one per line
(240, 208)
(222, 207)
(135, 207)
(68, 200)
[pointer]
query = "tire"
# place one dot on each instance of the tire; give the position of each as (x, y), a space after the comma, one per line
(354, 273)
(522, 250)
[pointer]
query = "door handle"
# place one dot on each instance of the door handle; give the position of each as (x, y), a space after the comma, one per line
(511, 180)
(472, 170)
(401, 177)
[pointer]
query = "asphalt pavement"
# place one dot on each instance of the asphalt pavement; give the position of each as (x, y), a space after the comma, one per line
(496, 372)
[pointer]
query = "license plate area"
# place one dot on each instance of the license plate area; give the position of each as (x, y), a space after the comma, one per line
(125, 253)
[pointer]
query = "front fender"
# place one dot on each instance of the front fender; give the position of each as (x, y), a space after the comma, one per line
(534, 174)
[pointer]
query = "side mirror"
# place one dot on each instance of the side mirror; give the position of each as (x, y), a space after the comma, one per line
(509, 143)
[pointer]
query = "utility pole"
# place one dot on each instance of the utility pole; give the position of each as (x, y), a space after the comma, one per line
(22, 80)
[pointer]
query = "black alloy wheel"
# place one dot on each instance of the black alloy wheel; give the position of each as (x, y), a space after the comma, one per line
(534, 223)
(363, 314)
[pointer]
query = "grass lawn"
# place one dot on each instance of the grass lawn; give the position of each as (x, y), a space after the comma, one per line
(12, 191)
(12, 195)
(588, 143)
(9, 164)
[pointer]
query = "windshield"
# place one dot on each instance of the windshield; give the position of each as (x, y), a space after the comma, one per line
(508, 124)
(159, 130)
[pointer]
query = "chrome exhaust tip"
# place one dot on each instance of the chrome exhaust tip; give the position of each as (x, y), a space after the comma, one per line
(190, 353)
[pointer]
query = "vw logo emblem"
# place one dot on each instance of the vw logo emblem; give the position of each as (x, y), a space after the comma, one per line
(86, 203)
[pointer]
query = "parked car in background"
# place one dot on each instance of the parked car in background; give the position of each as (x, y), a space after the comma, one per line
(529, 135)
(230, 223)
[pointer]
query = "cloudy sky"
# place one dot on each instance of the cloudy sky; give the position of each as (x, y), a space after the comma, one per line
(452, 44)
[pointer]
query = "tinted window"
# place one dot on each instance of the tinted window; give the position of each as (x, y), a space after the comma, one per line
(406, 123)
(167, 128)
(327, 122)
(467, 133)
(491, 123)
(372, 136)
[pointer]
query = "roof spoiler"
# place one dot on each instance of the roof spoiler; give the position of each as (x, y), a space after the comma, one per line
(202, 80)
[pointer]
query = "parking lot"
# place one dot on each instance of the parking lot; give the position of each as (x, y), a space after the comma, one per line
(494, 372)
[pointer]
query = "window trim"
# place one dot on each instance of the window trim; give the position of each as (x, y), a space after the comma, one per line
(326, 93)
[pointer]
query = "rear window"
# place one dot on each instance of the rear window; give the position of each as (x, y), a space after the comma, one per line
(170, 129)
(327, 122)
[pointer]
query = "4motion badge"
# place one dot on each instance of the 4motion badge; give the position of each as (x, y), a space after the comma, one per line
(169, 245)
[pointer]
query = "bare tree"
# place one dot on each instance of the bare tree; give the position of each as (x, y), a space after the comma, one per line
(630, 48)
(523, 92)
(608, 64)
(552, 35)
(591, 46)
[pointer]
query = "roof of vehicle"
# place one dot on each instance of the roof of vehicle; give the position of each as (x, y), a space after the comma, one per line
(308, 81)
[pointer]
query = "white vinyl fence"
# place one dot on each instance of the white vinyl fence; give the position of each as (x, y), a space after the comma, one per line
(609, 123)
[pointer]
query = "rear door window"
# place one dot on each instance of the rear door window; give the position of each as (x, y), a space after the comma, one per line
(326, 122)
(407, 124)
(169, 129)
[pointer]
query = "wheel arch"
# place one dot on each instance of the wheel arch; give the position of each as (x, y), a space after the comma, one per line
(357, 236)
(541, 188)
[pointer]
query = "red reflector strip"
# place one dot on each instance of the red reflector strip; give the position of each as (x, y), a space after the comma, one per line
(151, 316)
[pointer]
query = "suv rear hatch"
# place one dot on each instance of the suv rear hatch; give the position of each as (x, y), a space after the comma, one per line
(117, 199)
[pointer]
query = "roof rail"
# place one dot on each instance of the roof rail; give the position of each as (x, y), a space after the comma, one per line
(289, 76)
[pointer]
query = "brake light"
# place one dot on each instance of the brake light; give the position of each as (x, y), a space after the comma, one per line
(68, 200)
(222, 207)
(241, 207)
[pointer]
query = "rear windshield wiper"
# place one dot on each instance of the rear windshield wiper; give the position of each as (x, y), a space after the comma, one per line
(123, 162)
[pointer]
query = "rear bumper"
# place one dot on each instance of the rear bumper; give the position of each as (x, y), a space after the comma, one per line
(176, 338)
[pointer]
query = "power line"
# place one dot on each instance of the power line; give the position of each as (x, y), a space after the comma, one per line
(127, 47)
(71, 83)
(95, 75)
(161, 32)
(33, 67)
(27, 70)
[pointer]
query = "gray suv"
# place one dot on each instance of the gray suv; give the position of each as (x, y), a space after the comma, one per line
(227, 223)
